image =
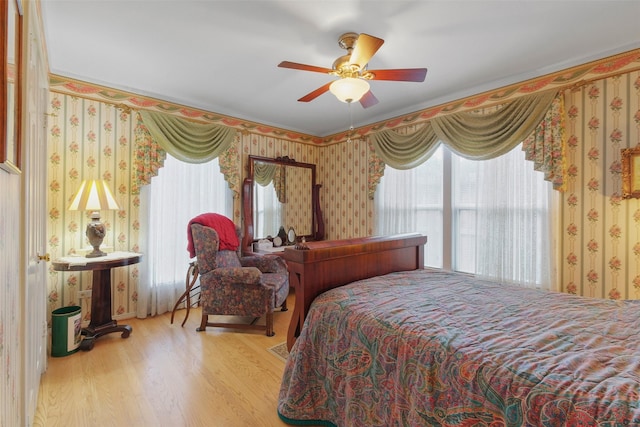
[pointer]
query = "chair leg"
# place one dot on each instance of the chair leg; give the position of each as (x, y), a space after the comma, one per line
(283, 307)
(175, 307)
(192, 275)
(269, 322)
(203, 323)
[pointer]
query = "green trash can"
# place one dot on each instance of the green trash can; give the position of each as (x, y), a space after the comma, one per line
(66, 330)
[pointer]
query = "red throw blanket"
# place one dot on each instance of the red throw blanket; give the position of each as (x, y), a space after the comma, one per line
(225, 228)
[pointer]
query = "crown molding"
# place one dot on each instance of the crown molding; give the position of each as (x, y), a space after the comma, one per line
(569, 79)
(119, 98)
(572, 78)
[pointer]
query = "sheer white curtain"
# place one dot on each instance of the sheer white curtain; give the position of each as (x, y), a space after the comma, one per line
(513, 227)
(180, 192)
(267, 211)
(492, 216)
(411, 201)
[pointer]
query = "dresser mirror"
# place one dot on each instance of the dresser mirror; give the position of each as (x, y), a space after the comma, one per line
(280, 194)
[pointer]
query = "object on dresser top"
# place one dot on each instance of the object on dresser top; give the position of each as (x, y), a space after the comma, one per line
(273, 250)
(302, 245)
(262, 244)
(291, 236)
(282, 234)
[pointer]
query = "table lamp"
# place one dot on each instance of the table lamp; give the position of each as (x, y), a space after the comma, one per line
(94, 195)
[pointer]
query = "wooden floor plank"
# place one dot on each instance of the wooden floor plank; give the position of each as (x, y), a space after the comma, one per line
(167, 375)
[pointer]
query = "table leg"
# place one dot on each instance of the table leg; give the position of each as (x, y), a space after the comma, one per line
(101, 321)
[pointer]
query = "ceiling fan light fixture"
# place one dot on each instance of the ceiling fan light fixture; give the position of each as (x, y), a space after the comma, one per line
(349, 89)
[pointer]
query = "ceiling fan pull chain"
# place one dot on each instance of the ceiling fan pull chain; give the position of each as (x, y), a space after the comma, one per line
(350, 122)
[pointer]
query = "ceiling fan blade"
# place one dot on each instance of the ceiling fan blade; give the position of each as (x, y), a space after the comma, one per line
(368, 100)
(316, 93)
(401, 75)
(365, 48)
(304, 67)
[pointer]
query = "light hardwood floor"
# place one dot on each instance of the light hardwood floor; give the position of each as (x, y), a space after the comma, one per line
(166, 375)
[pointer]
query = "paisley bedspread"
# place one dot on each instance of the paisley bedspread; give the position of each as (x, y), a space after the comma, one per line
(424, 348)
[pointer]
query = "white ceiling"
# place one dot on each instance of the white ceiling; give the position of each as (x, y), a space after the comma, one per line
(222, 56)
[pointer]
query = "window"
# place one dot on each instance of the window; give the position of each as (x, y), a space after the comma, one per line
(267, 216)
(412, 201)
(180, 192)
(489, 218)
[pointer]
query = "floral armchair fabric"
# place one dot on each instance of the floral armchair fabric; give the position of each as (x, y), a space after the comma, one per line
(235, 285)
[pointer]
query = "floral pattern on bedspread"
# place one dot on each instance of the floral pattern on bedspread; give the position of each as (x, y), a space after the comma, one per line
(424, 348)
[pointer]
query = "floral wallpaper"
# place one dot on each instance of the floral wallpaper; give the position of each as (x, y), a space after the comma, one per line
(90, 140)
(344, 197)
(600, 243)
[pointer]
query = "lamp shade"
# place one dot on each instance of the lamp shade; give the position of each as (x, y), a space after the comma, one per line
(349, 89)
(93, 195)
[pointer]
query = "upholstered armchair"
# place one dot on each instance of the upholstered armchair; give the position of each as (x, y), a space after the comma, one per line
(235, 285)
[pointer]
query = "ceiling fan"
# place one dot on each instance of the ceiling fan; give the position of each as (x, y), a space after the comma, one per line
(352, 86)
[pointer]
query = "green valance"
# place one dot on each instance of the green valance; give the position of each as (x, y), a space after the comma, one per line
(263, 173)
(266, 173)
(471, 135)
(186, 140)
(405, 151)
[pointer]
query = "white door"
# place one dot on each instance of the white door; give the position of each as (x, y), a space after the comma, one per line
(34, 164)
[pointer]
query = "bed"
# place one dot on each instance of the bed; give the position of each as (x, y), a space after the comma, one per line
(431, 348)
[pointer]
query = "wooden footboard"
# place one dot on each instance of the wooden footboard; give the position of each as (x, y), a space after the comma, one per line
(329, 264)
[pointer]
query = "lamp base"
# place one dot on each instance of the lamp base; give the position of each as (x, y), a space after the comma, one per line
(95, 233)
(96, 253)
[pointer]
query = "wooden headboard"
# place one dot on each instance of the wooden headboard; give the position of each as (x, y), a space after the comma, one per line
(332, 263)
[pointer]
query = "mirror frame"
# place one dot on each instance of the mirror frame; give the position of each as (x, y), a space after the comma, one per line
(317, 224)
